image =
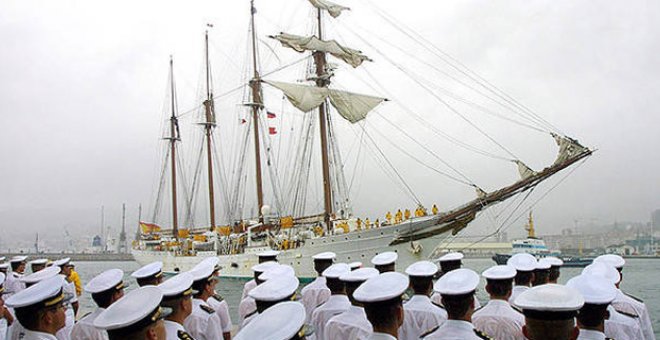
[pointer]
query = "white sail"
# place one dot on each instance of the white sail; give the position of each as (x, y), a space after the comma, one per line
(352, 106)
(301, 44)
(333, 9)
(524, 170)
(568, 148)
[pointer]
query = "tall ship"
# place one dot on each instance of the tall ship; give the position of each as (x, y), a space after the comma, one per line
(250, 188)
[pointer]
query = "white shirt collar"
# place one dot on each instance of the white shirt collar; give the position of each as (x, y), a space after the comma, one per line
(591, 335)
(459, 324)
(381, 336)
(498, 302)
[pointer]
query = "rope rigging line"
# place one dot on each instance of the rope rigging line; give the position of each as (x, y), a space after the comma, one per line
(466, 70)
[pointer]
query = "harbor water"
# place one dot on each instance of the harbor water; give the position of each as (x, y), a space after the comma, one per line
(639, 280)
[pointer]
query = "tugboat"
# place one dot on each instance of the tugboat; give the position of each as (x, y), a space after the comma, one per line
(536, 246)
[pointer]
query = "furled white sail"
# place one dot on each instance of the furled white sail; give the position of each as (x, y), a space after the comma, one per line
(352, 106)
(568, 148)
(333, 9)
(301, 44)
(524, 170)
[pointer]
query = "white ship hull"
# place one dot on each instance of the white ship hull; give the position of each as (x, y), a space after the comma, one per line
(354, 246)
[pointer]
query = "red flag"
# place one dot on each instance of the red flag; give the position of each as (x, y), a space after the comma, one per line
(272, 131)
(243, 121)
(270, 115)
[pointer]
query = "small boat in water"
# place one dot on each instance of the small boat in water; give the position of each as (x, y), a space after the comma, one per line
(536, 246)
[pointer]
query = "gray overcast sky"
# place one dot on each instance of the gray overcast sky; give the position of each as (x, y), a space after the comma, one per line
(82, 86)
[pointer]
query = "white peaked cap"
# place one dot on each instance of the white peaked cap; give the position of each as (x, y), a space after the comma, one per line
(2, 278)
(360, 275)
(18, 258)
(550, 298)
(422, 268)
(39, 261)
(177, 285)
(613, 260)
(202, 271)
(609, 273)
(209, 261)
(385, 258)
(41, 275)
(522, 262)
(269, 253)
(132, 308)
(502, 272)
(383, 287)
(453, 256)
(109, 279)
(554, 261)
(2, 258)
(594, 289)
(328, 255)
(62, 262)
(275, 289)
(279, 322)
(264, 266)
(336, 270)
(279, 270)
(543, 265)
(4, 265)
(151, 269)
(355, 265)
(43, 291)
(457, 282)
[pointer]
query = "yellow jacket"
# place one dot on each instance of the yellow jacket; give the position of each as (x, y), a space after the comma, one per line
(73, 277)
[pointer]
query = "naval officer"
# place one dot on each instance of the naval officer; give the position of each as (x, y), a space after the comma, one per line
(385, 262)
(555, 266)
(317, 291)
(338, 301)
(136, 316)
(525, 264)
(177, 295)
(5, 317)
(284, 321)
(69, 289)
(497, 318)
(203, 323)
(457, 289)
(247, 304)
(541, 273)
(420, 313)
(597, 294)
(257, 270)
(151, 274)
(17, 331)
(4, 266)
(550, 311)
(106, 289)
(216, 301)
(353, 323)
(626, 302)
(40, 309)
(266, 256)
(276, 289)
(620, 325)
(448, 262)
(38, 264)
(381, 297)
(13, 283)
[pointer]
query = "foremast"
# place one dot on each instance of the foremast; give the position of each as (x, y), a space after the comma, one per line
(173, 138)
(209, 125)
(257, 105)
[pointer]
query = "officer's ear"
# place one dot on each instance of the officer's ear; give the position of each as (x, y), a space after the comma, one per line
(576, 333)
(525, 332)
(606, 315)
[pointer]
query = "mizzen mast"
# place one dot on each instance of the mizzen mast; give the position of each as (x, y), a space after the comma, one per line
(174, 137)
(257, 104)
(208, 127)
(323, 80)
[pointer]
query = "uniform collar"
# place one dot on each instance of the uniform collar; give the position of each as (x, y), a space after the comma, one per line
(381, 336)
(588, 334)
(419, 298)
(38, 335)
(458, 324)
(498, 302)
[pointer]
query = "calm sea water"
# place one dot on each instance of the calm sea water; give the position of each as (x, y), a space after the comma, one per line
(639, 279)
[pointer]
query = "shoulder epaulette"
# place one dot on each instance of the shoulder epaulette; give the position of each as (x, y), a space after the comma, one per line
(84, 316)
(481, 334)
(628, 314)
(207, 309)
(634, 298)
(516, 309)
(480, 307)
(429, 331)
(218, 297)
(250, 314)
(183, 335)
(437, 305)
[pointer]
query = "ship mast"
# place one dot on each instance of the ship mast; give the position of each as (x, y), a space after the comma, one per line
(173, 139)
(257, 104)
(323, 81)
(208, 127)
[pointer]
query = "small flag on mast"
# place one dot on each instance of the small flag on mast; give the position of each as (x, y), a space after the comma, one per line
(272, 130)
(243, 121)
(270, 115)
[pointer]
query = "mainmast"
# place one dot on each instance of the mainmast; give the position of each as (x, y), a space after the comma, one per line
(257, 104)
(322, 80)
(174, 137)
(208, 127)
